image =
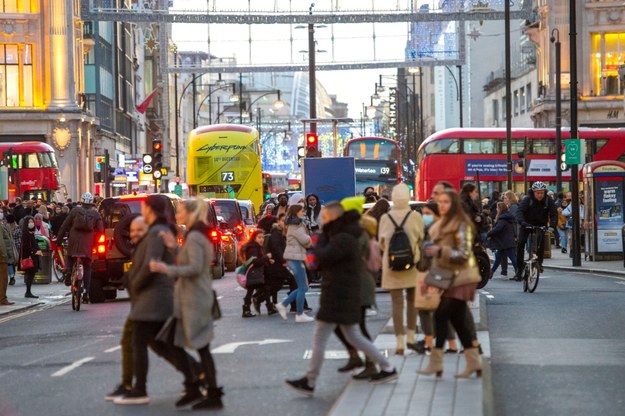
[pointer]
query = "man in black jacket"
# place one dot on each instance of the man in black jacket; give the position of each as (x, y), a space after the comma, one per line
(536, 209)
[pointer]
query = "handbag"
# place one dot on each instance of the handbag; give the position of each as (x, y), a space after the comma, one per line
(468, 275)
(427, 298)
(241, 270)
(254, 276)
(168, 331)
(27, 263)
(216, 309)
(440, 277)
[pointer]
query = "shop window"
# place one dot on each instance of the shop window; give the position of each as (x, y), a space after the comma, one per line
(16, 81)
(607, 54)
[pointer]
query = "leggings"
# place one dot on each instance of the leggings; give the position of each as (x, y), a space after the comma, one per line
(456, 312)
(363, 329)
(353, 336)
(208, 365)
(397, 299)
(427, 325)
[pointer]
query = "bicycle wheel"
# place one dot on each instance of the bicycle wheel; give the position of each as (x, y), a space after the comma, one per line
(532, 278)
(77, 294)
(526, 273)
(58, 268)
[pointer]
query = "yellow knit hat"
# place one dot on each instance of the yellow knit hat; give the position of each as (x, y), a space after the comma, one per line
(353, 203)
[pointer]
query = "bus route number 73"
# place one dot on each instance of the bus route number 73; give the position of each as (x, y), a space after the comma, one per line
(227, 176)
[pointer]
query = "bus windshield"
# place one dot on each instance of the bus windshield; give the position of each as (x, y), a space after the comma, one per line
(372, 149)
(35, 160)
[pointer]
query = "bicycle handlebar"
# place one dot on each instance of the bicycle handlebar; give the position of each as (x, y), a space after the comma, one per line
(536, 227)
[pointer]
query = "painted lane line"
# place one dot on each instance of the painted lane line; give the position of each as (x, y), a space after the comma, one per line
(231, 347)
(490, 296)
(119, 347)
(71, 367)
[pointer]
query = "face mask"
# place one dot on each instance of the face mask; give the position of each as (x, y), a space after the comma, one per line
(427, 220)
(283, 203)
(31, 226)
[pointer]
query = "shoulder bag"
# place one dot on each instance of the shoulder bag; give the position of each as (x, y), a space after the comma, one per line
(254, 277)
(27, 263)
(440, 277)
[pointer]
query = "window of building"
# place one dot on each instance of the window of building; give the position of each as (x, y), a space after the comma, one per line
(504, 109)
(516, 102)
(16, 75)
(496, 112)
(607, 54)
(15, 6)
(522, 99)
(528, 95)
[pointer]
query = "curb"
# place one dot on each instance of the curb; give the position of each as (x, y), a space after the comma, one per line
(583, 270)
(20, 309)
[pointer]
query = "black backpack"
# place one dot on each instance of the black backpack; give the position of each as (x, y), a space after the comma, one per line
(400, 254)
(83, 221)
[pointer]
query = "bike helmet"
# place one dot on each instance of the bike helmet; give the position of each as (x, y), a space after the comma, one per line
(538, 186)
(86, 198)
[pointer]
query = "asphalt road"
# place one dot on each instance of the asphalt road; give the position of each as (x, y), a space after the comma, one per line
(59, 362)
(560, 350)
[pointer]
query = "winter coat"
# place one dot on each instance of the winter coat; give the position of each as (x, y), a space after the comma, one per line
(455, 244)
(11, 252)
(312, 215)
(297, 240)
(57, 221)
(367, 293)
(80, 243)
(276, 273)
(539, 213)
(193, 292)
(266, 222)
(503, 233)
(29, 247)
(342, 269)
(414, 230)
(472, 208)
(151, 294)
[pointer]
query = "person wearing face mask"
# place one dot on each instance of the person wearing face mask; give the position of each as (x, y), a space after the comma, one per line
(312, 215)
(29, 249)
(281, 208)
(41, 227)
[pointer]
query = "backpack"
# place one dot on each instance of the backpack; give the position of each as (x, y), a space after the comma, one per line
(83, 221)
(400, 255)
(374, 261)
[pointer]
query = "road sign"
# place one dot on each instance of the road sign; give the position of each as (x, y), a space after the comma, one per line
(573, 151)
(147, 169)
(157, 174)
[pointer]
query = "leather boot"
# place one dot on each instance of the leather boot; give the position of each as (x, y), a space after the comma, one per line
(246, 312)
(401, 345)
(354, 362)
(271, 309)
(435, 366)
(472, 357)
(369, 371)
(212, 400)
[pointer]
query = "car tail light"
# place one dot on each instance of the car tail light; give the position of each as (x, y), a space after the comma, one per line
(239, 229)
(225, 237)
(100, 247)
(180, 241)
(214, 235)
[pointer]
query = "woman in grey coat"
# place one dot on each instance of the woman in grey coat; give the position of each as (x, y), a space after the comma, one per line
(193, 293)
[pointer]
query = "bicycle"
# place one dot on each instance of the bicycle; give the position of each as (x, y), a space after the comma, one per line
(59, 263)
(531, 274)
(76, 287)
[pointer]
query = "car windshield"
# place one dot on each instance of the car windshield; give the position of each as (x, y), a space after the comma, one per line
(227, 210)
(113, 212)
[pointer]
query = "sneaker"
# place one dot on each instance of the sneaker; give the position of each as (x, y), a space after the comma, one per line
(384, 377)
(371, 312)
(120, 391)
(301, 386)
(564, 250)
(85, 299)
(133, 397)
(304, 318)
(281, 310)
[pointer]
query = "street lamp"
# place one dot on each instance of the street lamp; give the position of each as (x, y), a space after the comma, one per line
(555, 38)
(233, 98)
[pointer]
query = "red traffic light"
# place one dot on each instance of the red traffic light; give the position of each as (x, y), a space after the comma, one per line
(157, 145)
(312, 139)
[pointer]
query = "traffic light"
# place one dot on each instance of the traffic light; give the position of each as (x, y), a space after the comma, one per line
(157, 155)
(563, 164)
(147, 163)
(301, 152)
(312, 145)
(521, 156)
(7, 159)
(111, 174)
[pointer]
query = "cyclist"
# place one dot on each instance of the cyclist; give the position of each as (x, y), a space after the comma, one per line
(536, 209)
(81, 224)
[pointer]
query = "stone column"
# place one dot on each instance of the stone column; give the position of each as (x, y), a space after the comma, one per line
(61, 55)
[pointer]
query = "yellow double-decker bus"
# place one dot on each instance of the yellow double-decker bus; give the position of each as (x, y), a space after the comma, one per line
(224, 162)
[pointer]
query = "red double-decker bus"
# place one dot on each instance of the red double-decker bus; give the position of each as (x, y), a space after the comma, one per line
(377, 163)
(458, 155)
(33, 170)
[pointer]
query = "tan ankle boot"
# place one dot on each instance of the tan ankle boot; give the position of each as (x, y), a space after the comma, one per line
(472, 358)
(435, 366)
(401, 345)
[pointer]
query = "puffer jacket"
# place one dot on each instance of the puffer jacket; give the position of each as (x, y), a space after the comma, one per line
(503, 233)
(297, 239)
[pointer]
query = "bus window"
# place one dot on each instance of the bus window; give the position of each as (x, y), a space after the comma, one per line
(594, 146)
(30, 160)
(480, 146)
(517, 146)
(542, 146)
(443, 146)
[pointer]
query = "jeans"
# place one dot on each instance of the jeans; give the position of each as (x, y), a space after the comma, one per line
(86, 271)
(563, 237)
(323, 330)
(502, 254)
(299, 294)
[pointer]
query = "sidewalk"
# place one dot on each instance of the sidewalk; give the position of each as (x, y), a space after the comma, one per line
(560, 261)
(413, 394)
(50, 294)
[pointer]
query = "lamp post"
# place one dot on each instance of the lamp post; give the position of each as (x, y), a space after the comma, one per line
(458, 89)
(577, 259)
(278, 104)
(508, 95)
(312, 80)
(555, 38)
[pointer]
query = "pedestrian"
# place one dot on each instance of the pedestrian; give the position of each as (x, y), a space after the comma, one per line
(401, 281)
(378, 209)
(151, 301)
(138, 228)
(283, 202)
(193, 296)
(29, 250)
(277, 272)
(452, 238)
(340, 301)
(297, 241)
(563, 223)
(60, 214)
(256, 294)
(312, 215)
(41, 227)
(266, 222)
(7, 250)
(469, 196)
(9, 242)
(502, 237)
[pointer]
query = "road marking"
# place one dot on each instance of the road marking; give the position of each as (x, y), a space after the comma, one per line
(41, 306)
(490, 296)
(119, 347)
(231, 347)
(71, 367)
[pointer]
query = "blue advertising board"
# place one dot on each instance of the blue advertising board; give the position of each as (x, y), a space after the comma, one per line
(330, 178)
(609, 215)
